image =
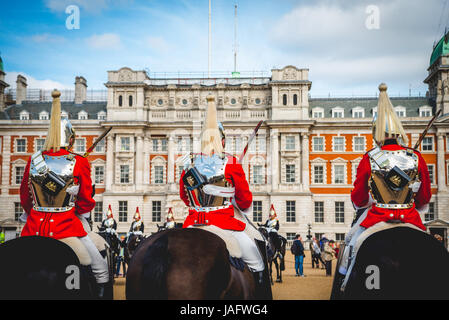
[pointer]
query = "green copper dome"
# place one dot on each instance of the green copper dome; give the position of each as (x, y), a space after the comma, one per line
(441, 49)
(1, 65)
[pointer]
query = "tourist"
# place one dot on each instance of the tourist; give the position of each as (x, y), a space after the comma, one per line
(297, 250)
(329, 253)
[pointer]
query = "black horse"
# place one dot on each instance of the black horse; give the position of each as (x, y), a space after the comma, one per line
(397, 263)
(114, 246)
(276, 252)
(131, 245)
(43, 268)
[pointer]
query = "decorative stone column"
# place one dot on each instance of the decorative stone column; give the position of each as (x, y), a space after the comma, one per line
(274, 159)
(441, 163)
(171, 159)
(305, 162)
(110, 143)
(146, 160)
(139, 162)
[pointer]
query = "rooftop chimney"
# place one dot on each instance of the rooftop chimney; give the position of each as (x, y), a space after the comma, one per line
(21, 89)
(80, 90)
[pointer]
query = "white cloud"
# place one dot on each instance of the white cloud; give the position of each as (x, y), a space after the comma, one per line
(104, 41)
(92, 6)
(46, 37)
(34, 83)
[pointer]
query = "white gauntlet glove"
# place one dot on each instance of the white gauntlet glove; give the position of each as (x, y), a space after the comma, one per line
(73, 190)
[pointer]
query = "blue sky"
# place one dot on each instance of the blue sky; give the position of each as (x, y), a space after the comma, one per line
(329, 37)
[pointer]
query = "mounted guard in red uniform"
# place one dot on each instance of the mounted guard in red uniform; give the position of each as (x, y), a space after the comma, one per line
(392, 183)
(56, 192)
(214, 187)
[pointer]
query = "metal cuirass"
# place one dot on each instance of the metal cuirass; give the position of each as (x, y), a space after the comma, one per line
(109, 223)
(50, 177)
(137, 226)
(205, 181)
(394, 178)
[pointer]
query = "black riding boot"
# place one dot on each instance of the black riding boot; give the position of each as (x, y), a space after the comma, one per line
(105, 291)
(262, 278)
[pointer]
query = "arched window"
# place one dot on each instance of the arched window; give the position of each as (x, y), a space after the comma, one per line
(130, 101)
(295, 99)
(284, 99)
(120, 101)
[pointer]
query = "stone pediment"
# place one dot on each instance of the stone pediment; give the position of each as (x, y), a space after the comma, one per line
(126, 75)
(437, 223)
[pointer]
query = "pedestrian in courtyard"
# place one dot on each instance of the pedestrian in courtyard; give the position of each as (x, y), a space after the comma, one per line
(121, 258)
(297, 250)
(329, 253)
(315, 252)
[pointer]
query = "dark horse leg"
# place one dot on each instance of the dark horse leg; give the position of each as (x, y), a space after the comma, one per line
(186, 264)
(399, 263)
(42, 268)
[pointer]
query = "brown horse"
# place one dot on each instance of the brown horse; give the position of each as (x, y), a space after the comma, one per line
(190, 264)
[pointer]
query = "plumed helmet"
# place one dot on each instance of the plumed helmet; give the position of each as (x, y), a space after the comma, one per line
(170, 215)
(67, 134)
(137, 216)
(273, 212)
(109, 214)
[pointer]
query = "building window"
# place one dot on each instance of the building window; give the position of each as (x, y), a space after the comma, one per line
(158, 174)
(120, 101)
(318, 174)
(318, 143)
(98, 211)
(295, 99)
(319, 211)
(19, 171)
(430, 215)
(99, 174)
(425, 112)
(290, 173)
(43, 115)
(339, 174)
(400, 111)
(258, 174)
(100, 146)
(339, 212)
(339, 143)
(431, 169)
(125, 144)
(358, 113)
(21, 145)
(284, 99)
(257, 211)
(40, 144)
(156, 212)
(358, 144)
(290, 143)
(124, 174)
(340, 237)
(338, 113)
(130, 101)
(291, 211)
(291, 236)
(427, 144)
(18, 211)
(155, 143)
(24, 115)
(317, 113)
(80, 145)
(82, 115)
(101, 116)
(123, 211)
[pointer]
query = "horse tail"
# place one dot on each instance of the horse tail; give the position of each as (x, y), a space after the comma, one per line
(155, 265)
(283, 244)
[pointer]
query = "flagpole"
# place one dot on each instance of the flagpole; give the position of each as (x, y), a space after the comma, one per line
(210, 41)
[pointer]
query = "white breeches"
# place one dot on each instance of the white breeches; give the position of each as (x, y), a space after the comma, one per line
(250, 253)
(99, 264)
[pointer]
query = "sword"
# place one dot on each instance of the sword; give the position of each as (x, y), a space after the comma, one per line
(92, 147)
(421, 137)
(251, 137)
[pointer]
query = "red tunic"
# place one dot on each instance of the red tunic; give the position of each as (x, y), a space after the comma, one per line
(59, 225)
(360, 194)
(222, 218)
